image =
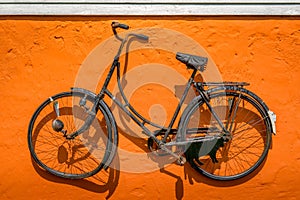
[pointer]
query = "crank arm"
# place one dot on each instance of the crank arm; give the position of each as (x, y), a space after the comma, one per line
(180, 159)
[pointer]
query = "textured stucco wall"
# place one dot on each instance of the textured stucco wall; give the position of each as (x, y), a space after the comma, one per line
(41, 56)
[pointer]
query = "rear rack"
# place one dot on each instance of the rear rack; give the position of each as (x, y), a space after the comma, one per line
(225, 83)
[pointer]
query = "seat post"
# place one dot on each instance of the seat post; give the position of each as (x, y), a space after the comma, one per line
(189, 83)
(193, 74)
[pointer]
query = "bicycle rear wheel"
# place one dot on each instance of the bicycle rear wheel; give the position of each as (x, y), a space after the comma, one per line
(76, 158)
(244, 118)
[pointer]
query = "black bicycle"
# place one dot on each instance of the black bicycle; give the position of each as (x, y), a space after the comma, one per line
(224, 133)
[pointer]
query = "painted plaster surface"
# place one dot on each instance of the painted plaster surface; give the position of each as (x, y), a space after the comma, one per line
(41, 56)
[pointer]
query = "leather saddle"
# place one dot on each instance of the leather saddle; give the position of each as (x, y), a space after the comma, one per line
(192, 61)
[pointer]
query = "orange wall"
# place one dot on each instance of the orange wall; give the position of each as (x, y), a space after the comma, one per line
(40, 56)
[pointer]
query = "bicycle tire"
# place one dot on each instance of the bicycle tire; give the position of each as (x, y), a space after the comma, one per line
(251, 134)
(76, 158)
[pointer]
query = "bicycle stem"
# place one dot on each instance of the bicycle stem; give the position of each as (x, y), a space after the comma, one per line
(116, 60)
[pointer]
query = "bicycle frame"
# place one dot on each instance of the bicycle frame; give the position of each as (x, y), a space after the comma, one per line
(134, 115)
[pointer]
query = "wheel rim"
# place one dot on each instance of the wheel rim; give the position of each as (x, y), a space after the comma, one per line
(76, 158)
(250, 138)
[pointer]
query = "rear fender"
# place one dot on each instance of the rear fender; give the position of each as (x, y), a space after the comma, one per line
(271, 115)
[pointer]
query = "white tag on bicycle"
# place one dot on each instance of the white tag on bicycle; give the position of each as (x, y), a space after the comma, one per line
(272, 116)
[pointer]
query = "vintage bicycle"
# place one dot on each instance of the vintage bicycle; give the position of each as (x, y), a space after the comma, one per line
(225, 132)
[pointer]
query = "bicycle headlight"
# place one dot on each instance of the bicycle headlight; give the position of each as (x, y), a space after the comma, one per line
(57, 125)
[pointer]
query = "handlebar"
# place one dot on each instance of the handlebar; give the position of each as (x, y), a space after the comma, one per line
(140, 37)
(115, 25)
(119, 25)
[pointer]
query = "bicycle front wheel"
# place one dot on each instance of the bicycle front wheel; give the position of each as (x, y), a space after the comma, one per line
(244, 118)
(76, 158)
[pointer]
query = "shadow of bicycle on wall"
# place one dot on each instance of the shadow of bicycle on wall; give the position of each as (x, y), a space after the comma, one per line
(103, 181)
(107, 180)
(193, 177)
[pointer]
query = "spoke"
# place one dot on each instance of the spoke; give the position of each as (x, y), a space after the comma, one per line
(236, 133)
(242, 117)
(72, 157)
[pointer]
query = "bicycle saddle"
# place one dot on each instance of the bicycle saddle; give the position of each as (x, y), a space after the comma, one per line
(192, 61)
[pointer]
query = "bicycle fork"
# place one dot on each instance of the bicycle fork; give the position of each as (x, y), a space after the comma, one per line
(58, 125)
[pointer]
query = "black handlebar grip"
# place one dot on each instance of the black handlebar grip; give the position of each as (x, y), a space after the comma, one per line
(142, 37)
(118, 25)
(124, 26)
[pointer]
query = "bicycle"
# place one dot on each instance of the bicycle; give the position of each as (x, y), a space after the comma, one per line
(224, 133)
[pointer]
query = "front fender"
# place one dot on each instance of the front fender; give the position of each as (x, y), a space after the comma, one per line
(85, 91)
